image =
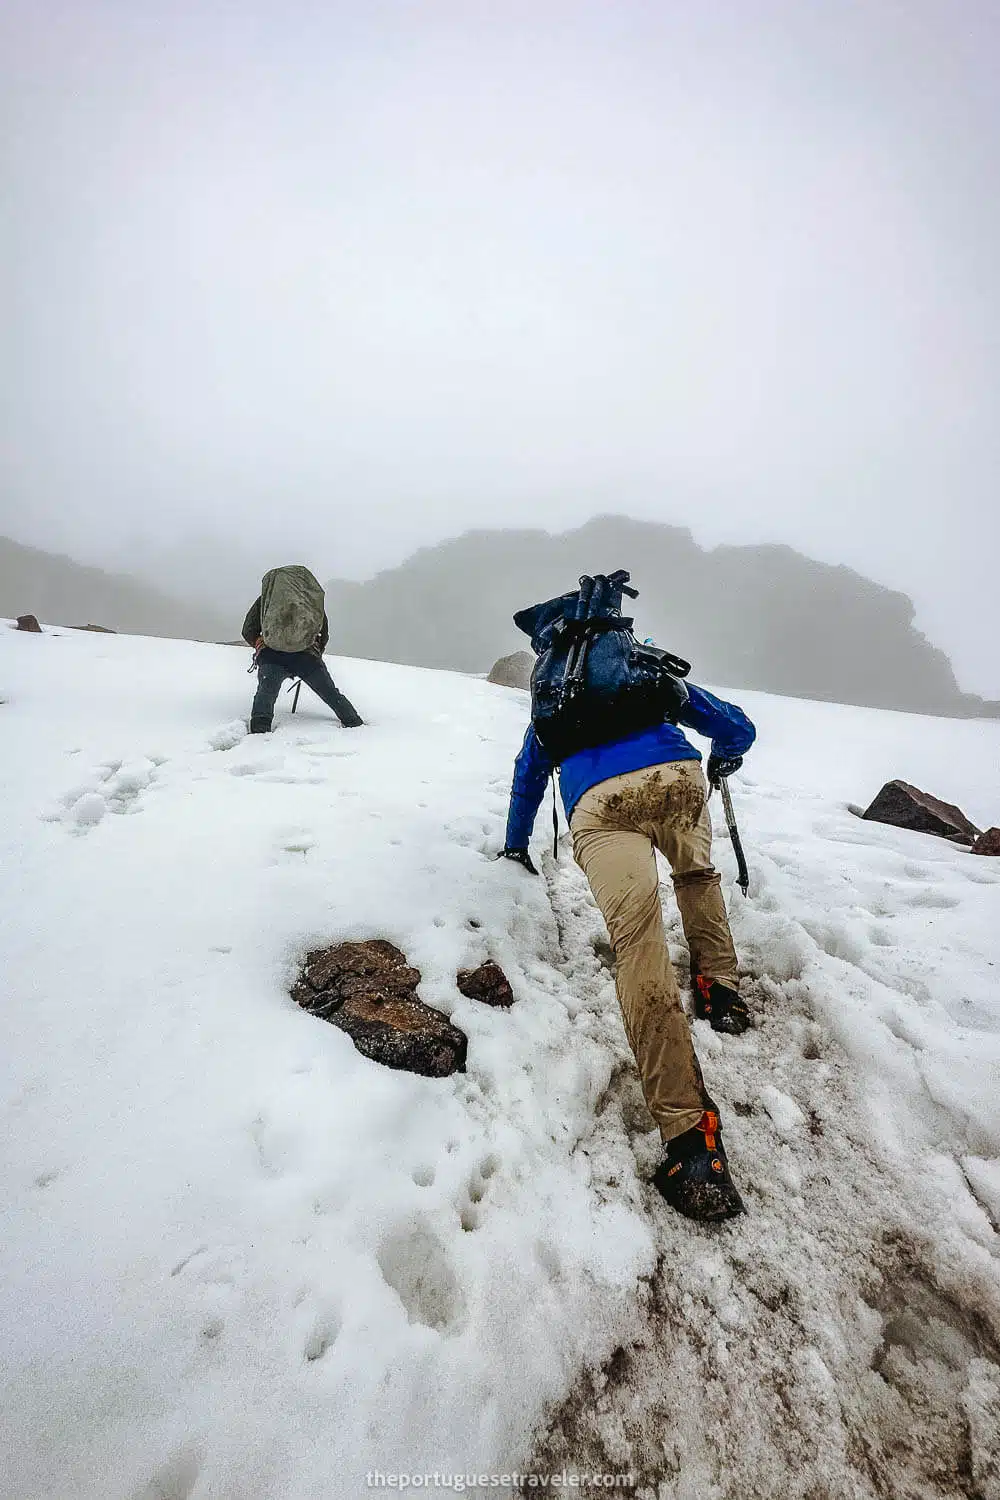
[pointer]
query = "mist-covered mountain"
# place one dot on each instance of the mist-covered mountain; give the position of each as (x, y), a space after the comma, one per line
(756, 617)
(64, 592)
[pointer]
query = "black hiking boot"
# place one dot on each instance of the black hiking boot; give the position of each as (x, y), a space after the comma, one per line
(694, 1174)
(356, 723)
(260, 726)
(720, 1005)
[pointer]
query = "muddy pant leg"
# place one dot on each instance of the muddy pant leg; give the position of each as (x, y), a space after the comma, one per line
(621, 869)
(270, 676)
(318, 678)
(697, 886)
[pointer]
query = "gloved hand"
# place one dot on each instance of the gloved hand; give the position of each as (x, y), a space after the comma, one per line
(522, 856)
(719, 766)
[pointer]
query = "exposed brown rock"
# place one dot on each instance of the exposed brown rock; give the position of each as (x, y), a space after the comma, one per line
(101, 629)
(376, 961)
(904, 806)
(488, 983)
(28, 622)
(988, 842)
(403, 1034)
(367, 989)
(513, 671)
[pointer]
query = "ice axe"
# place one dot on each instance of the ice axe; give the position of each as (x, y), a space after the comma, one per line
(743, 874)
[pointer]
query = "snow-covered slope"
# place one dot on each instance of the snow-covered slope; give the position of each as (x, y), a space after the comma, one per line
(240, 1260)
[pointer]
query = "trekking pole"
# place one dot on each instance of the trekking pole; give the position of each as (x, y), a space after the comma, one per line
(555, 821)
(298, 688)
(573, 669)
(743, 875)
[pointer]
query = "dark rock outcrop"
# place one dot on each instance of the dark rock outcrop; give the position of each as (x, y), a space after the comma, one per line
(28, 622)
(513, 671)
(904, 806)
(488, 983)
(368, 990)
(988, 842)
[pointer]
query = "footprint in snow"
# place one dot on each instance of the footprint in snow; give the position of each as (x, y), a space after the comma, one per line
(297, 848)
(46, 1179)
(124, 786)
(322, 1338)
(469, 1204)
(257, 767)
(415, 1265)
(176, 1480)
(229, 736)
(933, 900)
(87, 811)
(119, 786)
(276, 1147)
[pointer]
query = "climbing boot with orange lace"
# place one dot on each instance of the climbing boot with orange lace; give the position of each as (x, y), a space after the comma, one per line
(694, 1174)
(718, 1004)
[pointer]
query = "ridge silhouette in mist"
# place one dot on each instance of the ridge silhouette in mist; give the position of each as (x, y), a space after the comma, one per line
(63, 592)
(761, 617)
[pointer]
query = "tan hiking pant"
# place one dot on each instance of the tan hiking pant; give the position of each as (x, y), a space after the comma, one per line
(616, 826)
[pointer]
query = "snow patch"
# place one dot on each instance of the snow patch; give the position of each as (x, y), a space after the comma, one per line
(255, 1260)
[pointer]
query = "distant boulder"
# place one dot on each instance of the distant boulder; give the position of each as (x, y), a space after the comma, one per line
(988, 842)
(28, 622)
(904, 806)
(368, 990)
(513, 671)
(101, 629)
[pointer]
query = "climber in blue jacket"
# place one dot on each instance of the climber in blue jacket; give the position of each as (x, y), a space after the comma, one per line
(624, 800)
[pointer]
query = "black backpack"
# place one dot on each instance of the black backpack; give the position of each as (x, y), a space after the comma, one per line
(593, 682)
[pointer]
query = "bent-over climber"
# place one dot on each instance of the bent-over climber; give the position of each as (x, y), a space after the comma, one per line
(288, 629)
(607, 713)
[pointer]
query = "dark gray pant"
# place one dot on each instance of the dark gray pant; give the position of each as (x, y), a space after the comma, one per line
(273, 667)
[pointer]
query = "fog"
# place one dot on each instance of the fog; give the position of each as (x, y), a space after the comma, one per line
(326, 282)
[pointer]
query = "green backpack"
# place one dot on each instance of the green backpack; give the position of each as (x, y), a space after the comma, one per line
(291, 608)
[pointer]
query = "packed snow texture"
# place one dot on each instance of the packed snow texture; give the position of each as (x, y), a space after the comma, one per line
(241, 1261)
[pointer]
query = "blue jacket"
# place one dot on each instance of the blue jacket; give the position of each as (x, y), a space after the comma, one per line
(727, 726)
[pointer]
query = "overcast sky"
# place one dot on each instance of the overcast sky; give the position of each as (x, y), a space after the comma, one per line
(344, 278)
